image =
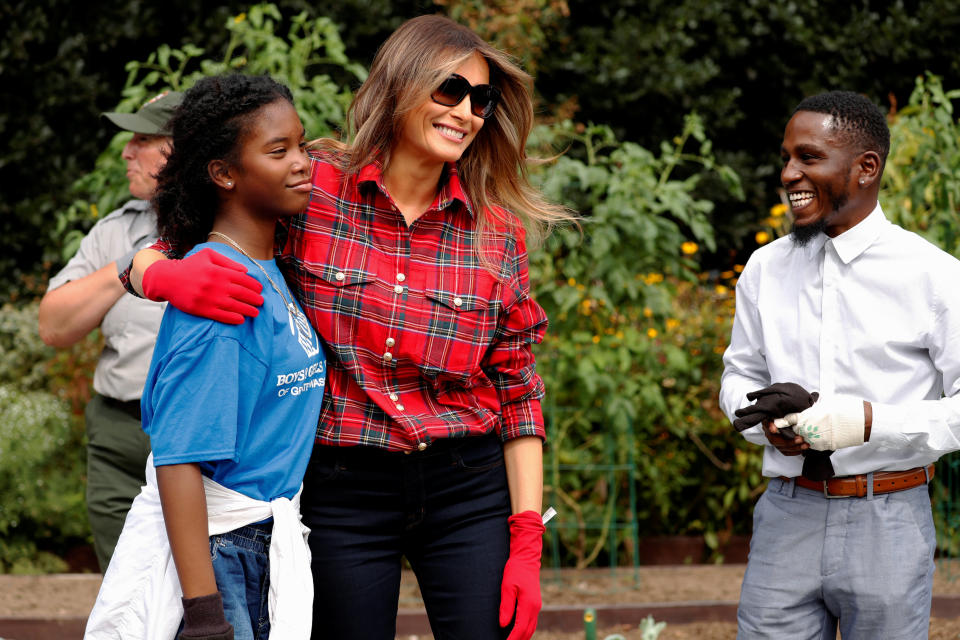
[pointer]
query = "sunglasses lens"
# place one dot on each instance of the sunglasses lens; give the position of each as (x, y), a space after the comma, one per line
(451, 91)
(483, 100)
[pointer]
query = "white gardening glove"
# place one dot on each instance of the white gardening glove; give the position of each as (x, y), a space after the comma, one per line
(832, 423)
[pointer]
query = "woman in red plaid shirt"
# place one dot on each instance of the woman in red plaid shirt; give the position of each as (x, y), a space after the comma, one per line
(411, 263)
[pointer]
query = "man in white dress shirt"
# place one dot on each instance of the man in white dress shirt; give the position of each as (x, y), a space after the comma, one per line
(867, 315)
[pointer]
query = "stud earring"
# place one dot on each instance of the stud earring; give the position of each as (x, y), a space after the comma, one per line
(230, 183)
(861, 182)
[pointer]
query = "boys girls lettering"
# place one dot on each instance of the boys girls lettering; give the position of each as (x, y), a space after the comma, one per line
(317, 368)
(315, 376)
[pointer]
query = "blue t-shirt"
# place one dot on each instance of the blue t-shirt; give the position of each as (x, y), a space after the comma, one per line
(240, 400)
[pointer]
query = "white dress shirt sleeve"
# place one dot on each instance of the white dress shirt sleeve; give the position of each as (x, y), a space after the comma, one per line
(930, 426)
(744, 362)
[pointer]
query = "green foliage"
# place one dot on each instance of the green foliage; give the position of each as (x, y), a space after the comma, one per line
(42, 508)
(22, 352)
(517, 26)
(921, 188)
(633, 351)
(300, 52)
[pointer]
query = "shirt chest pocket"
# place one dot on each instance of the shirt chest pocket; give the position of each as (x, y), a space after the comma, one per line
(459, 328)
(341, 297)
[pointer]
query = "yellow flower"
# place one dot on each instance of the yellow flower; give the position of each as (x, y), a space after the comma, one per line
(651, 333)
(689, 248)
(239, 18)
(580, 287)
(722, 290)
(738, 268)
(94, 211)
(595, 339)
(726, 275)
(672, 323)
(653, 278)
(620, 335)
(778, 210)
(572, 282)
(762, 237)
(647, 312)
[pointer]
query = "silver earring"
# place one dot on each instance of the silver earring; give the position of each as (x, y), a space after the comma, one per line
(230, 183)
(861, 182)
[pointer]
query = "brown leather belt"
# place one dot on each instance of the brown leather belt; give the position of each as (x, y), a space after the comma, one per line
(856, 486)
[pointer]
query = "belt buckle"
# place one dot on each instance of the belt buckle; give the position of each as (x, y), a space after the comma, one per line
(828, 495)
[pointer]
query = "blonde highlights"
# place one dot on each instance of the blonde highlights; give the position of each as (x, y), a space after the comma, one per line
(409, 65)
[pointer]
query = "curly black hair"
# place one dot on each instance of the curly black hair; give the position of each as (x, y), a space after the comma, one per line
(855, 117)
(210, 124)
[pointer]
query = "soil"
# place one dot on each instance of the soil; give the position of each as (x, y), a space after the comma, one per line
(70, 595)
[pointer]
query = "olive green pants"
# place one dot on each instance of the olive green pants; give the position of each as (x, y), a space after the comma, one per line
(116, 458)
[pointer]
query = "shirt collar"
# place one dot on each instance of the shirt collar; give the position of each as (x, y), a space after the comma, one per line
(854, 241)
(451, 190)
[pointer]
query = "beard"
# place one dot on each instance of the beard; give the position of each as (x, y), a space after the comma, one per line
(801, 235)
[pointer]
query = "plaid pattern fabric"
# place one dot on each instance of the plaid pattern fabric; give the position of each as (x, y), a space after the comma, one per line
(423, 341)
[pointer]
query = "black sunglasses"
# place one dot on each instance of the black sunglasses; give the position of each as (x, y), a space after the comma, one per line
(452, 91)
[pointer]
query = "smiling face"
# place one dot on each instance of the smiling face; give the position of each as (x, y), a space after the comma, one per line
(145, 156)
(435, 134)
(820, 174)
(273, 177)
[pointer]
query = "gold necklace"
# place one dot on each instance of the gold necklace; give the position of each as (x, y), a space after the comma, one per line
(291, 308)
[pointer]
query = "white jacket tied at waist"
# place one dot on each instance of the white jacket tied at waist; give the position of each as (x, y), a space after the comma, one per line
(140, 595)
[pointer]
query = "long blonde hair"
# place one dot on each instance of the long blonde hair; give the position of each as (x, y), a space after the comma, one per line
(409, 65)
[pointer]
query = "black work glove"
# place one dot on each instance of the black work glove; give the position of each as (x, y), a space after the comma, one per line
(774, 402)
(203, 619)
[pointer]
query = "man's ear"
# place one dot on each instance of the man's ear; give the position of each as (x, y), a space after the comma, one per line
(869, 167)
(221, 174)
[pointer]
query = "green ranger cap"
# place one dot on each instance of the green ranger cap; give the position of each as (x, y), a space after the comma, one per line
(152, 118)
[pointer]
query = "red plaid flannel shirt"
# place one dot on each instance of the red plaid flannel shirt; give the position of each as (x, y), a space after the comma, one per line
(423, 342)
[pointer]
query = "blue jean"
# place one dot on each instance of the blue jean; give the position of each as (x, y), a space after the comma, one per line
(241, 565)
(445, 509)
(865, 563)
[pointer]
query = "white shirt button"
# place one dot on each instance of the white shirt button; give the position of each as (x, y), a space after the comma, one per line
(399, 407)
(401, 277)
(388, 356)
(391, 342)
(422, 446)
(398, 289)
(340, 276)
(394, 397)
(457, 301)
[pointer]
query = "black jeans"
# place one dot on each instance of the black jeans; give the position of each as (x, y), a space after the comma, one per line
(445, 509)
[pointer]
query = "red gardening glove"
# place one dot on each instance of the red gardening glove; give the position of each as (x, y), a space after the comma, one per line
(206, 284)
(520, 590)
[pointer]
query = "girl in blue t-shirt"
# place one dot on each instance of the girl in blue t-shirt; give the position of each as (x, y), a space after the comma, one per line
(231, 410)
